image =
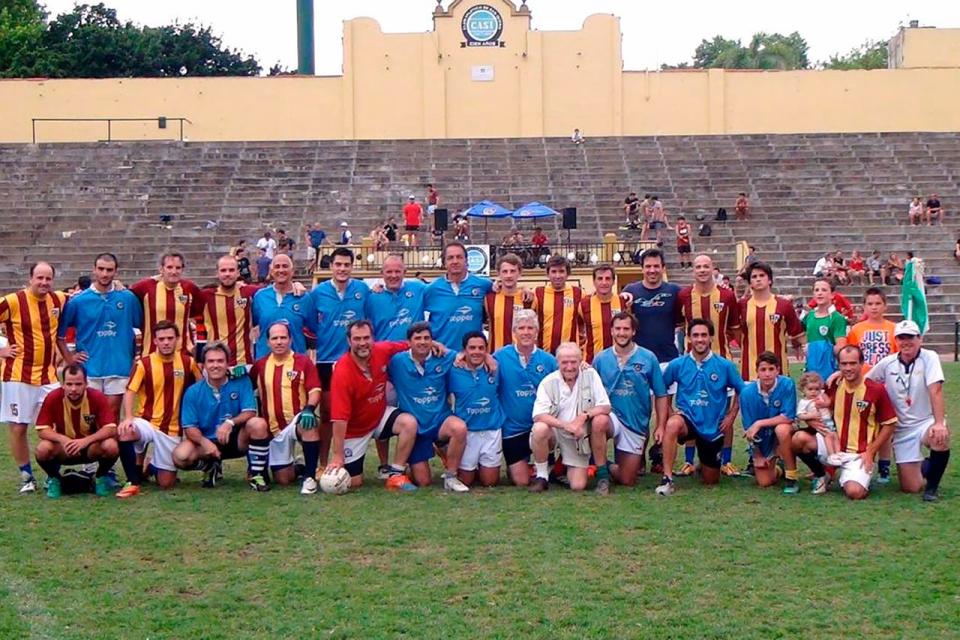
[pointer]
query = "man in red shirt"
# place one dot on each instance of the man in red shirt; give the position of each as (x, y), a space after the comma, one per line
(433, 198)
(412, 218)
(359, 410)
(167, 297)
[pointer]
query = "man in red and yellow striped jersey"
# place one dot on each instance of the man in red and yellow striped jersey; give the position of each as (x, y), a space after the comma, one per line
(157, 384)
(767, 322)
(865, 419)
(31, 318)
(227, 312)
(289, 394)
(597, 311)
(167, 297)
(557, 306)
(501, 305)
(76, 425)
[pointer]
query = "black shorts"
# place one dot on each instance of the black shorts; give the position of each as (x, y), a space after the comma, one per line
(411, 227)
(355, 468)
(683, 248)
(517, 448)
(325, 371)
(231, 450)
(708, 451)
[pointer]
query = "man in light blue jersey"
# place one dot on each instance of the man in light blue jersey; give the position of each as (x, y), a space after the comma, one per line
(420, 379)
(521, 367)
(474, 388)
(217, 414)
(338, 302)
(631, 375)
(280, 301)
(768, 406)
(104, 318)
(398, 305)
(704, 412)
(454, 302)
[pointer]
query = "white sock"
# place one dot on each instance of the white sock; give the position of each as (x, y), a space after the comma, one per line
(541, 468)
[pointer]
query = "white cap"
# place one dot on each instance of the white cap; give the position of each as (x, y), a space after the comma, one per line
(906, 328)
(411, 197)
(344, 224)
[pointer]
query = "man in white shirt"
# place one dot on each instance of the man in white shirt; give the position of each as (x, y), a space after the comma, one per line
(824, 265)
(268, 244)
(914, 379)
(572, 410)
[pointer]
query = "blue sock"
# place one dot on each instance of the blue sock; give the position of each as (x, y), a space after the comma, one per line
(27, 469)
(883, 466)
(689, 453)
(726, 455)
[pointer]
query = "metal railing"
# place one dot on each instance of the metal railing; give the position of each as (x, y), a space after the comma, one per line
(161, 124)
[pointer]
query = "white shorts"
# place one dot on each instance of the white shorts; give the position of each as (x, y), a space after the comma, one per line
(356, 448)
(575, 453)
(626, 440)
(483, 448)
(672, 389)
(908, 444)
(22, 401)
(283, 444)
(163, 445)
(110, 385)
(850, 471)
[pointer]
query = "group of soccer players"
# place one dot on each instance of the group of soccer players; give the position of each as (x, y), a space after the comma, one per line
(557, 370)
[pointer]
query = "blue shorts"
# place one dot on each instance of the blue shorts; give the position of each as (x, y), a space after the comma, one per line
(765, 443)
(423, 445)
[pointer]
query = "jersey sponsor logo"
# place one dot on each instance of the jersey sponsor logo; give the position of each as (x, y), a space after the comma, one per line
(429, 395)
(526, 391)
(703, 400)
(480, 407)
(345, 319)
(659, 300)
(462, 314)
(403, 318)
(378, 392)
(109, 330)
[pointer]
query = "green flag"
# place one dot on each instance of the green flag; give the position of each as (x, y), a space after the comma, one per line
(913, 297)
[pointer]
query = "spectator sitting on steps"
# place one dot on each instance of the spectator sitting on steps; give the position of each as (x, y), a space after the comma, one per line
(577, 137)
(345, 234)
(742, 206)
(916, 211)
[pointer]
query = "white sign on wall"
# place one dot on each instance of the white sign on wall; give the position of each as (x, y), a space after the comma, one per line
(481, 73)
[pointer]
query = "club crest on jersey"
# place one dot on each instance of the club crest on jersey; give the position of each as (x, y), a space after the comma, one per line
(234, 395)
(714, 377)
(491, 379)
(823, 330)
(409, 294)
(241, 302)
(356, 296)
(539, 368)
(777, 403)
(89, 418)
(14, 409)
(183, 298)
(119, 305)
(863, 405)
(292, 374)
(437, 369)
(474, 291)
(638, 367)
(774, 317)
(296, 307)
(55, 312)
(178, 373)
(347, 452)
(719, 306)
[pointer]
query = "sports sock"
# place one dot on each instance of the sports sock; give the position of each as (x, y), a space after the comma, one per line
(257, 454)
(925, 467)
(128, 458)
(790, 474)
(151, 470)
(51, 467)
(811, 460)
(396, 468)
(603, 472)
(27, 469)
(541, 469)
(883, 467)
(938, 464)
(689, 453)
(726, 455)
(311, 456)
(104, 467)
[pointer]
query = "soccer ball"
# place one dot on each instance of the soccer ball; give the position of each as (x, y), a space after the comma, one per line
(336, 481)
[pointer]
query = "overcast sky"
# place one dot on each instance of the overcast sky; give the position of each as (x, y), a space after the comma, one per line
(654, 32)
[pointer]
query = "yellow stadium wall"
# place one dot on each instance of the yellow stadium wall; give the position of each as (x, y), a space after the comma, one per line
(420, 85)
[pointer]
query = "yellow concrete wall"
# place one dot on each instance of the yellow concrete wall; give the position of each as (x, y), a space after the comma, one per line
(419, 85)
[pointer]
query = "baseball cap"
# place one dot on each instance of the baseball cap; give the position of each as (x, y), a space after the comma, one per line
(344, 224)
(906, 328)
(411, 197)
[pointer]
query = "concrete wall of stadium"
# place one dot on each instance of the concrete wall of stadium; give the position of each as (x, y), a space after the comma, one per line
(531, 84)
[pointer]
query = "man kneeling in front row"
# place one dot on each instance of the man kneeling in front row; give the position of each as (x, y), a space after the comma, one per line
(76, 425)
(572, 410)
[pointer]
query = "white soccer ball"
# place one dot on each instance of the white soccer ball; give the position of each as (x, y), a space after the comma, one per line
(336, 481)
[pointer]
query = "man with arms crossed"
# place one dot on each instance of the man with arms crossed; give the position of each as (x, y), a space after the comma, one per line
(572, 410)
(522, 366)
(30, 320)
(157, 384)
(704, 410)
(631, 375)
(76, 425)
(359, 410)
(216, 416)
(914, 382)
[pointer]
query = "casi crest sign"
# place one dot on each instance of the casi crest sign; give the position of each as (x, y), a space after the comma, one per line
(482, 26)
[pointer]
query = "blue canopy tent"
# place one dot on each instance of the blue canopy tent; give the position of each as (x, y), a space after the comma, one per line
(533, 210)
(487, 209)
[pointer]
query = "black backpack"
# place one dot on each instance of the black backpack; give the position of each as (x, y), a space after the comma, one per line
(705, 230)
(721, 215)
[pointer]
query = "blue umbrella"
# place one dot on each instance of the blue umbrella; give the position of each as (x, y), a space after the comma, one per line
(487, 209)
(533, 210)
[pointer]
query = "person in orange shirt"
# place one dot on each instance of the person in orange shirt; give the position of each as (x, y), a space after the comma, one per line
(31, 319)
(876, 339)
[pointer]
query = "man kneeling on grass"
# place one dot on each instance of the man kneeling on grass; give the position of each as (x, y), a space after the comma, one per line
(76, 425)
(572, 410)
(214, 417)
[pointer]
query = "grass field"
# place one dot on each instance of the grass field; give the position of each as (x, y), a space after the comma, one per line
(733, 561)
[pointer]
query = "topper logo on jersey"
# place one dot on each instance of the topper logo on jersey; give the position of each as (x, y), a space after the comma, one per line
(109, 330)
(526, 391)
(702, 401)
(428, 396)
(345, 319)
(482, 27)
(378, 393)
(462, 314)
(480, 407)
(403, 318)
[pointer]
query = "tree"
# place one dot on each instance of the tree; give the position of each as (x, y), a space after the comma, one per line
(91, 42)
(869, 55)
(765, 51)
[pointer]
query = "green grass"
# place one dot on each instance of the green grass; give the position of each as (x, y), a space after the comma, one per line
(732, 561)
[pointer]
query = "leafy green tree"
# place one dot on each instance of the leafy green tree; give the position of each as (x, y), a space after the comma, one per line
(764, 51)
(21, 28)
(869, 55)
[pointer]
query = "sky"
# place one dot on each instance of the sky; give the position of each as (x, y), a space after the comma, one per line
(653, 32)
